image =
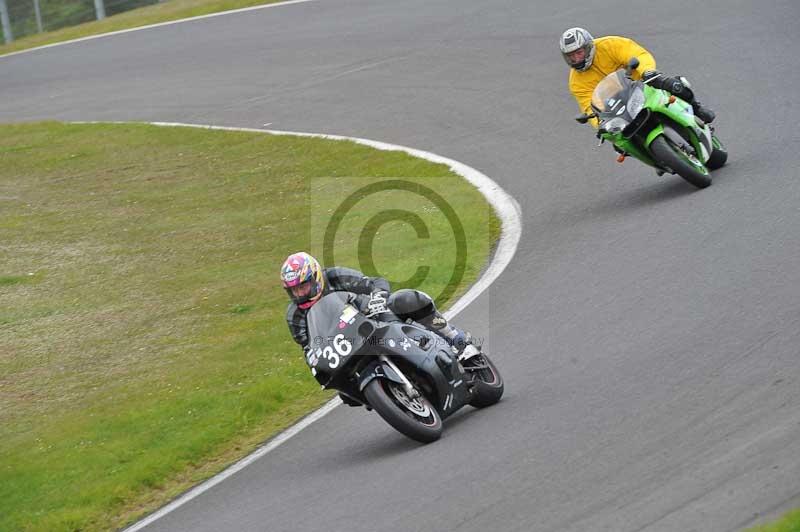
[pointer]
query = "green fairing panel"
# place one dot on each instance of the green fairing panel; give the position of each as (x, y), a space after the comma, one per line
(658, 130)
(656, 99)
(676, 111)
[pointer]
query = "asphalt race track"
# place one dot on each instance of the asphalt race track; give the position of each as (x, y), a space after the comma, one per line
(649, 333)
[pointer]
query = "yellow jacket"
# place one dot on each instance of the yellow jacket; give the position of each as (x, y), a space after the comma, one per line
(611, 53)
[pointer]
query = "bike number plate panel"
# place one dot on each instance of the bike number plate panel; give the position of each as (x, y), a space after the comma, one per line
(330, 353)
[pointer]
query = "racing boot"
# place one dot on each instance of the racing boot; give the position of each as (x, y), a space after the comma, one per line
(682, 88)
(457, 339)
(463, 345)
(702, 112)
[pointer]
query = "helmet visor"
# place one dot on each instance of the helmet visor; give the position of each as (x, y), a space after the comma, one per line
(576, 58)
(304, 292)
(302, 289)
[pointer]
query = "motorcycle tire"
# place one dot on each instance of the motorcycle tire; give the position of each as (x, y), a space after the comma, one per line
(674, 158)
(488, 383)
(416, 418)
(719, 156)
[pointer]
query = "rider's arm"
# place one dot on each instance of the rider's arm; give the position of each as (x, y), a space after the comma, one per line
(298, 327)
(624, 48)
(351, 280)
(582, 92)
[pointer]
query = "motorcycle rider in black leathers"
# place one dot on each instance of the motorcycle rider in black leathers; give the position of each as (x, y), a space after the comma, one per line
(306, 282)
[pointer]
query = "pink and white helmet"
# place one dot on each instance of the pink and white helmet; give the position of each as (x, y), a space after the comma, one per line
(302, 279)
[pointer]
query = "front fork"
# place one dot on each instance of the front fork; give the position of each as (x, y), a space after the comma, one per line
(412, 392)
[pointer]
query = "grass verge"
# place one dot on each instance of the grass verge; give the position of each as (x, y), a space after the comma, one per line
(790, 522)
(142, 337)
(143, 16)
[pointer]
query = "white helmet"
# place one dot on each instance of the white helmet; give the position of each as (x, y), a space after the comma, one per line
(574, 39)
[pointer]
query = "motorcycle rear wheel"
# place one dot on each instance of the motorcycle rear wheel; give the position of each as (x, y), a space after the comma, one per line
(416, 418)
(683, 164)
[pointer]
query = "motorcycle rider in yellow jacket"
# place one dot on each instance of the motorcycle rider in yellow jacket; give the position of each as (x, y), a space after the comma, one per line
(593, 59)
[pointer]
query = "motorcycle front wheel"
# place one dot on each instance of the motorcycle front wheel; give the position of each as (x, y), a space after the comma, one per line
(684, 164)
(415, 417)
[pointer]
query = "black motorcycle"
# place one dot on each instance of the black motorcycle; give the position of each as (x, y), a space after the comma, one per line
(403, 371)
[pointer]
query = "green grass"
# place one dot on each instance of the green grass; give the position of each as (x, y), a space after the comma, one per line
(790, 522)
(162, 12)
(143, 345)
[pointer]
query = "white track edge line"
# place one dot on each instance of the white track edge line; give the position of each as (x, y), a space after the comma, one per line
(156, 25)
(504, 205)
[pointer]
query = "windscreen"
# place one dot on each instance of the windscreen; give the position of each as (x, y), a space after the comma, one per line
(604, 96)
(323, 317)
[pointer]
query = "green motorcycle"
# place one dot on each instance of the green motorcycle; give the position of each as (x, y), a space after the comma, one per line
(654, 126)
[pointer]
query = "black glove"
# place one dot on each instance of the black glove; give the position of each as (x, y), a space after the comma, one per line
(377, 302)
(650, 74)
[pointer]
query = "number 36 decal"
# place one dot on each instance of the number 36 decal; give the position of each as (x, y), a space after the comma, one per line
(341, 348)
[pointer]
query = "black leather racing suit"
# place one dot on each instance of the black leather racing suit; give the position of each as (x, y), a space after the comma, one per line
(405, 304)
(336, 280)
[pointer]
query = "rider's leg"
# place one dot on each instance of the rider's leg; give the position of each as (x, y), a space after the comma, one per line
(681, 89)
(419, 306)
